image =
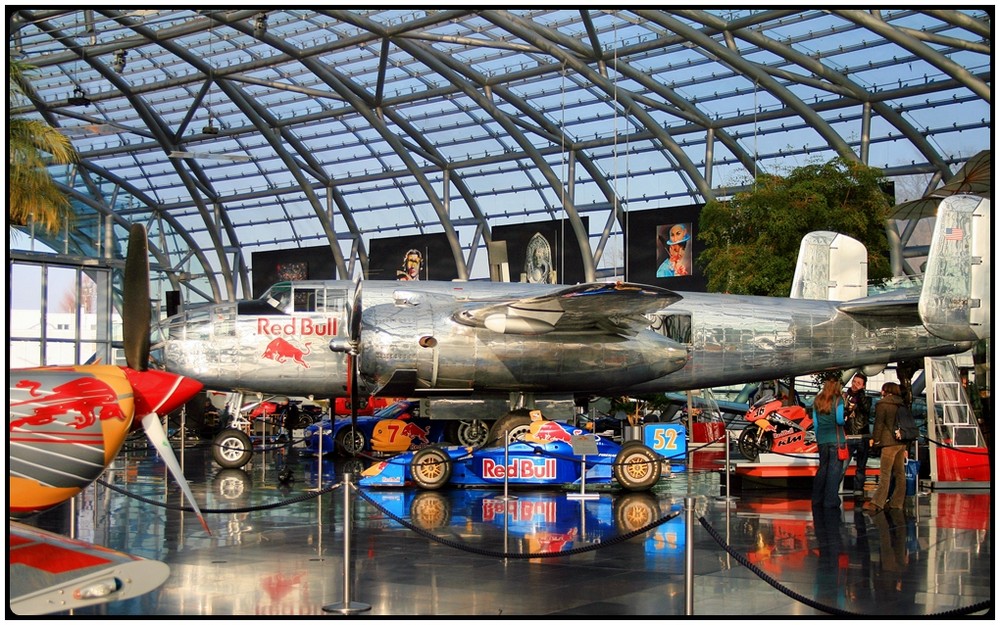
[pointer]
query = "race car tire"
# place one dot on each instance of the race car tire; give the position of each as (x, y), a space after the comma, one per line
(471, 433)
(637, 467)
(351, 441)
(430, 468)
(430, 510)
(232, 449)
(634, 510)
(515, 424)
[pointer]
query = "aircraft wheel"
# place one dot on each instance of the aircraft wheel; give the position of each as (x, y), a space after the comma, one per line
(515, 423)
(637, 467)
(430, 510)
(232, 484)
(232, 449)
(635, 510)
(430, 468)
(351, 441)
(469, 433)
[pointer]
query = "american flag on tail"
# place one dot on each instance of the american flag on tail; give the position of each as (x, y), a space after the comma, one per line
(953, 234)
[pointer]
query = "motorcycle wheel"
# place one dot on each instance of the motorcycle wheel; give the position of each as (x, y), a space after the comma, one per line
(752, 442)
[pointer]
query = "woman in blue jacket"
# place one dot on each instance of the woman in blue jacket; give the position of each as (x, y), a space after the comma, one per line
(828, 419)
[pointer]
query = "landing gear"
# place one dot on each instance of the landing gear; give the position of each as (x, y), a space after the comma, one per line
(232, 449)
(473, 433)
(514, 424)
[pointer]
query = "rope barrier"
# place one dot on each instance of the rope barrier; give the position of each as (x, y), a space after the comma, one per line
(742, 559)
(181, 508)
(953, 448)
(521, 556)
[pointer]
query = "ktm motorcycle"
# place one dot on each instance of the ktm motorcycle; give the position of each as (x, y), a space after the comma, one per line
(774, 427)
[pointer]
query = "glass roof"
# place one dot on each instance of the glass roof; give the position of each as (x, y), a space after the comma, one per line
(235, 131)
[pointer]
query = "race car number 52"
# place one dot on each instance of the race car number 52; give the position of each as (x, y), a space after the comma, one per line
(666, 438)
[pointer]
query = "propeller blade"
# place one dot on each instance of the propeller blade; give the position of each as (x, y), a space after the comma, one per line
(136, 308)
(354, 336)
(154, 431)
(161, 392)
(352, 363)
(354, 318)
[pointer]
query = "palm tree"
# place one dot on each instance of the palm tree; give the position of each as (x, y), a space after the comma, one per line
(33, 195)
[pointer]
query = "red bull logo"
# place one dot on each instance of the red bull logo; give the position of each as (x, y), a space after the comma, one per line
(415, 433)
(297, 326)
(281, 351)
(89, 397)
(522, 511)
(520, 468)
(549, 431)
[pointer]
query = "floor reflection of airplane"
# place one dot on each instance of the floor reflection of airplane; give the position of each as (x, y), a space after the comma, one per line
(462, 338)
(65, 425)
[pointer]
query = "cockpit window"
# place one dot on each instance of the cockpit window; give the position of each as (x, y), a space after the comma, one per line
(289, 297)
(279, 297)
(305, 300)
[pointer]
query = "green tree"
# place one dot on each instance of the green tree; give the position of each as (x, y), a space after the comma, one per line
(32, 193)
(752, 240)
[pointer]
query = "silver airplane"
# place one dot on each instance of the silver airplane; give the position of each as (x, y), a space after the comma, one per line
(461, 339)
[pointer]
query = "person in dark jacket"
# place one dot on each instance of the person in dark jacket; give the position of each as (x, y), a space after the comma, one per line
(829, 436)
(893, 455)
(857, 409)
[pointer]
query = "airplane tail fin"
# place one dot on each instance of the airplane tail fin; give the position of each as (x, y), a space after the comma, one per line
(956, 298)
(830, 266)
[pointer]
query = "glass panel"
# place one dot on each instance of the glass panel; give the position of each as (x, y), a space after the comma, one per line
(59, 353)
(25, 354)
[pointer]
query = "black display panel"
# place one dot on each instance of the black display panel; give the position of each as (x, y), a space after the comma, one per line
(544, 252)
(663, 248)
(299, 263)
(412, 257)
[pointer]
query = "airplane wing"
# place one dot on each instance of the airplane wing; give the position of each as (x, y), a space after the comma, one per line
(606, 306)
(49, 573)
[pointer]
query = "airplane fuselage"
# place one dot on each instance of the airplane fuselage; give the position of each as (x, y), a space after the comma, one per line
(413, 343)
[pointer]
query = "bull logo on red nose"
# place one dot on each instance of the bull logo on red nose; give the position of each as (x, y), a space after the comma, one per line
(89, 397)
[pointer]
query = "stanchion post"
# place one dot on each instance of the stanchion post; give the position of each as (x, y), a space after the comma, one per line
(689, 556)
(347, 606)
(728, 496)
(319, 457)
(506, 466)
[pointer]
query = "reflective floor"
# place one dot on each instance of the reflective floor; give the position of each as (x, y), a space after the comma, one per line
(279, 550)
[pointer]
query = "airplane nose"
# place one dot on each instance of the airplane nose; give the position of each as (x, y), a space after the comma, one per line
(160, 391)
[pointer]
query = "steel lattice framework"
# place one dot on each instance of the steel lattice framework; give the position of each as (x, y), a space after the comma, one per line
(233, 131)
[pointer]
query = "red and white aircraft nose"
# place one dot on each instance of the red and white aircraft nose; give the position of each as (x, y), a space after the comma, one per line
(160, 391)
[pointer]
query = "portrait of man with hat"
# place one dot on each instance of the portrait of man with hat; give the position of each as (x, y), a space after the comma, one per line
(672, 248)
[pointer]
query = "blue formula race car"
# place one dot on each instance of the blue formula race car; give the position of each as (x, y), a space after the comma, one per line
(543, 455)
(395, 428)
